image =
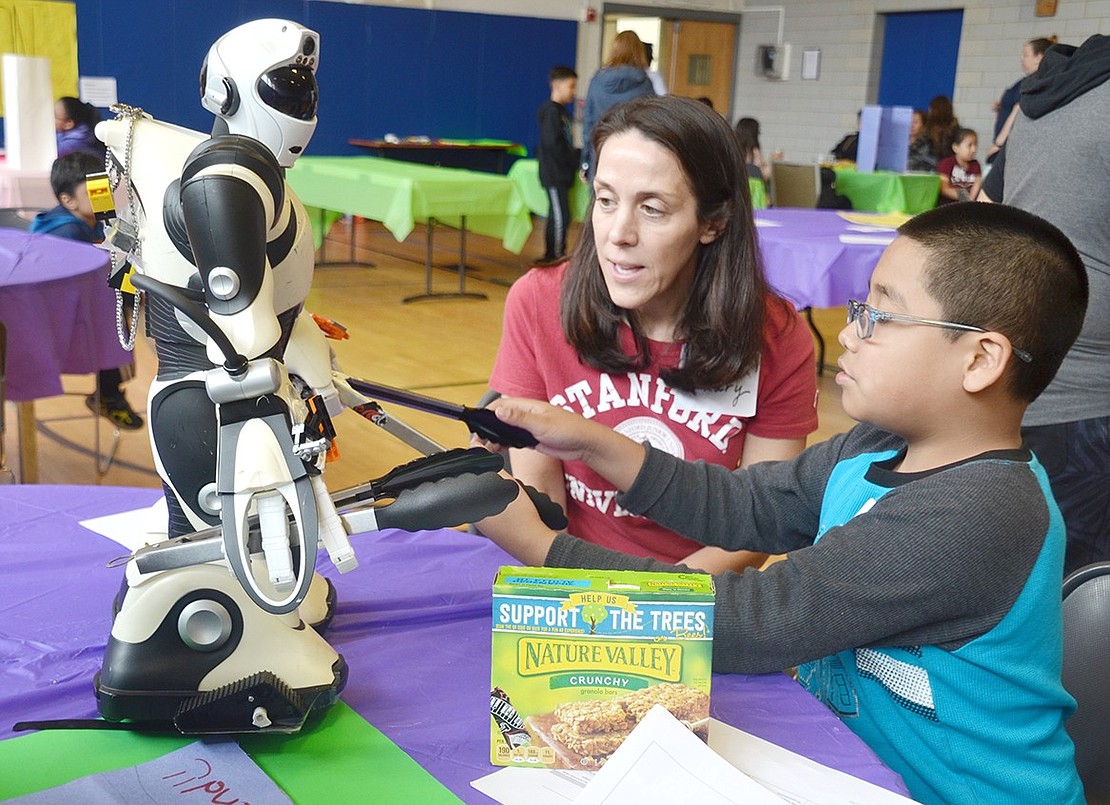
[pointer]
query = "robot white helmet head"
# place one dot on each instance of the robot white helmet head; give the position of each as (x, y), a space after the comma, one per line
(260, 80)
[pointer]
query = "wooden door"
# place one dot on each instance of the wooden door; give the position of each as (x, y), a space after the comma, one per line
(700, 58)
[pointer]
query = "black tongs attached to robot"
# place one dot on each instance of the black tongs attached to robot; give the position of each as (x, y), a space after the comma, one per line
(438, 491)
(481, 421)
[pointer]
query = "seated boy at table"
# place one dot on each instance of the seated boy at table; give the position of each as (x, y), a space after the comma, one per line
(921, 596)
(74, 218)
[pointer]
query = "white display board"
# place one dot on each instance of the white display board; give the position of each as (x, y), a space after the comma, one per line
(29, 139)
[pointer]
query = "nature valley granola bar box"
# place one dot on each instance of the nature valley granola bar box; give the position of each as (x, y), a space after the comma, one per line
(580, 656)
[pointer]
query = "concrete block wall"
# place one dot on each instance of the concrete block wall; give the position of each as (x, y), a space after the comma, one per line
(806, 118)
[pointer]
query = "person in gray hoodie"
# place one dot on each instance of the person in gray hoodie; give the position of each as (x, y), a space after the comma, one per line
(1055, 164)
(622, 78)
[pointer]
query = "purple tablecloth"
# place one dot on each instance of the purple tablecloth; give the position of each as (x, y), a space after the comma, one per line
(58, 310)
(413, 623)
(816, 258)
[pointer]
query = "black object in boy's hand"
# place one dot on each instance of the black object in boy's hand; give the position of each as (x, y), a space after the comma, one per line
(481, 421)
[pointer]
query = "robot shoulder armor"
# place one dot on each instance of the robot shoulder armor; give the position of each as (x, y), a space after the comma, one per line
(240, 151)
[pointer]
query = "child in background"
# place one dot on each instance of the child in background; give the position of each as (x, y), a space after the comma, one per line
(74, 218)
(559, 161)
(74, 121)
(960, 173)
(920, 156)
(921, 596)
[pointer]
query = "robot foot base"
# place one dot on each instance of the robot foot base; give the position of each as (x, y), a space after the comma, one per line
(259, 703)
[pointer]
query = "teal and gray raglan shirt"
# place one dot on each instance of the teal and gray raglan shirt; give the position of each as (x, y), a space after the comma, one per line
(924, 609)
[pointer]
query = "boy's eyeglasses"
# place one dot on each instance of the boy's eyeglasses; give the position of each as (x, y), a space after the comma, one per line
(864, 316)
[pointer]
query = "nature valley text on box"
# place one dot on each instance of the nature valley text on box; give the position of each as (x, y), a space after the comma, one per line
(580, 656)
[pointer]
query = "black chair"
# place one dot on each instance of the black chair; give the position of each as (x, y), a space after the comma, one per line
(1087, 674)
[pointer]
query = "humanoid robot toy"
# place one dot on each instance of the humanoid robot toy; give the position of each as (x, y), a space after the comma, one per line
(240, 410)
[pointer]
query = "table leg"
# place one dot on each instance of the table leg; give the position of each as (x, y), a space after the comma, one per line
(102, 459)
(351, 230)
(28, 446)
(462, 256)
(428, 292)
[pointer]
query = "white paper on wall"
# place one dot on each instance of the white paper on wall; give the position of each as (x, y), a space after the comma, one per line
(29, 138)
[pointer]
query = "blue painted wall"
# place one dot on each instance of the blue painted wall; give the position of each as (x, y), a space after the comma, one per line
(397, 70)
(920, 50)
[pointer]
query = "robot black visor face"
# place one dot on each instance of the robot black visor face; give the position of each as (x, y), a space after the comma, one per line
(290, 90)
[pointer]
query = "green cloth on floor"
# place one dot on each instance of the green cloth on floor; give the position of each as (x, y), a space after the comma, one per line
(341, 758)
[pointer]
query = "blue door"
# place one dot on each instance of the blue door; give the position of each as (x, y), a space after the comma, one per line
(919, 57)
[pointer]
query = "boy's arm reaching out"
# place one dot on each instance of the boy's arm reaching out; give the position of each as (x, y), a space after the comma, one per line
(569, 437)
(564, 436)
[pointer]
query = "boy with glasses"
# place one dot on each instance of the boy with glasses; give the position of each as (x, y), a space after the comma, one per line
(921, 597)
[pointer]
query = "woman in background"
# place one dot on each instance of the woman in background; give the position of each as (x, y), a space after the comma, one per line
(747, 135)
(74, 122)
(622, 78)
(669, 331)
(921, 157)
(940, 127)
(1007, 107)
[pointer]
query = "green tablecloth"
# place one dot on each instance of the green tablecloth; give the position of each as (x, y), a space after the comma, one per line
(402, 194)
(758, 190)
(883, 191)
(515, 149)
(525, 173)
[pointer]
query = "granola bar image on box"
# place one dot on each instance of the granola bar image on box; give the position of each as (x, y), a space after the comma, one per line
(595, 729)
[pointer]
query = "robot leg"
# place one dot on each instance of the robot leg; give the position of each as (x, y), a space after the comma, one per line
(189, 648)
(183, 431)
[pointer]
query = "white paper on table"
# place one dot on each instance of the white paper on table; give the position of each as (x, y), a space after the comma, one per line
(133, 529)
(662, 761)
(878, 240)
(795, 778)
(520, 786)
(792, 777)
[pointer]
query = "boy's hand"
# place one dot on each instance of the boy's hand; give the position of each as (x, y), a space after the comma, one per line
(569, 437)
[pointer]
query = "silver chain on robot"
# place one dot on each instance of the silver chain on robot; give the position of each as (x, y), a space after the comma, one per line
(120, 258)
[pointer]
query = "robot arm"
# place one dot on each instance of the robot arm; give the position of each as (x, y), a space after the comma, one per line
(232, 193)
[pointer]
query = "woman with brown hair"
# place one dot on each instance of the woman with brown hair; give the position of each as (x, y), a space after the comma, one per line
(941, 126)
(662, 326)
(623, 77)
